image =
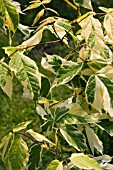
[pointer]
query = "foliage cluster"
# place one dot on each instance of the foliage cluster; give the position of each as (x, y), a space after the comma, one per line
(67, 138)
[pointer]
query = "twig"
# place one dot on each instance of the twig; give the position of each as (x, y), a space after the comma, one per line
(73, 95)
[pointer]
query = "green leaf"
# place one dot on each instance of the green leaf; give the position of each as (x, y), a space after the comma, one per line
(11, 15)
(38, 136)
(27, 73)
(21, 126)
(38, 16)
(6, 79)
(60, 112)
(84, 162)
(93, 140)
(90, 89)
(55, 165)
(2, 24)
(35, 157)
(18, 155)
(107, 126)
(99, 93)
(77, 2)
(74, 137)
(45, 86)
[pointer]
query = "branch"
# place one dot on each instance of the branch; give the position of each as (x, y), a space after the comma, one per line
(31, 46)
(54, 153)
(36, 142)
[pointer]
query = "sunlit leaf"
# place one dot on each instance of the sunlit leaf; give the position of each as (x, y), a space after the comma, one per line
(18, 7)
(6, 79)
(107, 10)
(38, 16)
(87, 4)
(33, 5)
(84, 162)
(104, 159)
(34, 40)
(93, 140)
(46, 1)
(38, 136)
(21, 126)
(55, 165)
(52, 10)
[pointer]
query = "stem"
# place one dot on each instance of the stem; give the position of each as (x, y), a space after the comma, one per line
(45, 9)
(67, 164)
(70, 4)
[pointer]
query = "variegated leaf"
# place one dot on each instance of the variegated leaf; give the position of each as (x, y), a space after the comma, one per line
(11, 17)
(99, 93)
(27, 73)
(18, 155)
(38, 136)
(108, 24)
(92, 33)
(66, 77)
(93, 140)
(6, 79)
(73, 137)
